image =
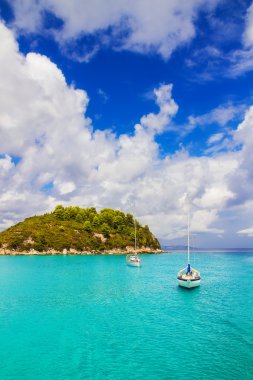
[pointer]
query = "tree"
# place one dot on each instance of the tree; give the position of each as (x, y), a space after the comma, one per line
(71, 212)
(107, 216)
(105, 230)
(41, 243)
(117, 222)
(87, 226)
(129, 219)
(79, 217)
(91, 213)
(16, 242)
(95, 221)
(59, 212)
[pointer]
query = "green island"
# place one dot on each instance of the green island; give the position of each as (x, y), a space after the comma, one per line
(75, 230)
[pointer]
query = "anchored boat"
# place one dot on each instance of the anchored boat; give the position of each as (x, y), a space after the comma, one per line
(133, 260)
(188, 277)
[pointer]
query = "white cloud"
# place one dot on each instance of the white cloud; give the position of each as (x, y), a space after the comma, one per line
(219, 59)
(246, 232)
(248, 33)
(6, 165)
(135, 25)
(241, 59)
(216, 137)
(157, 123)
(241, 62)
(65, 187)
(220, 115)
(42, 121)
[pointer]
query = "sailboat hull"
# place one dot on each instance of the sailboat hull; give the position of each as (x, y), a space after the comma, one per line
(188, 283)
(133, 261)
(132, 264)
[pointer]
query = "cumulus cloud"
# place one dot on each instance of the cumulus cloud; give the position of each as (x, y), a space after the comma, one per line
(243, 137)
(246, 232)
(248, 33)
(135, 25)
(157, 123)
(241, 59)
(220, 115)
(62, 159)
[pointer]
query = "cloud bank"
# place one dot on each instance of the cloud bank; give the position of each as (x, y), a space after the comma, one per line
(134, 25)
(241, 59)
(50, 154)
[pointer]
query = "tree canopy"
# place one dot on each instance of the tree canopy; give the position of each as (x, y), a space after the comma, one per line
(77, 228)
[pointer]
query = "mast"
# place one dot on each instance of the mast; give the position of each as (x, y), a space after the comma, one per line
(135, 236)
(188, 243)
(188, 240)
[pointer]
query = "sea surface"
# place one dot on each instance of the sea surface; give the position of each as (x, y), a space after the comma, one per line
(93, 317)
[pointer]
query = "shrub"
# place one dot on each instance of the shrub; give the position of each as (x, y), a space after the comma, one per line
(87, 226)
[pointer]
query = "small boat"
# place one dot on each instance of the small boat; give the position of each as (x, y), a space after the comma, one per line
(188, 277)
(133, 259)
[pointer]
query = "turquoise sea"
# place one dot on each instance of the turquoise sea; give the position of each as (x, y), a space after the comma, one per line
(93, 317)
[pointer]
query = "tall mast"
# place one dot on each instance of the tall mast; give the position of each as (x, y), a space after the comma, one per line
(188, 239)
(135, 237)
(188, 242)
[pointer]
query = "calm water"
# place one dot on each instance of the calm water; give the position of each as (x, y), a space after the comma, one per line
(95, 318)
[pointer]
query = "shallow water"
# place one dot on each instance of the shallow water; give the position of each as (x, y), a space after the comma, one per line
(93, 317)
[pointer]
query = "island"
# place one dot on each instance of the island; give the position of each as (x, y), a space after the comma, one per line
(74, 230)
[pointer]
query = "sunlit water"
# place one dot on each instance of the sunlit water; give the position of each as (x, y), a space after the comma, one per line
(77, 317)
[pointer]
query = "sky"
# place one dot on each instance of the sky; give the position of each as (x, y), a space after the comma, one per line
(134, 105)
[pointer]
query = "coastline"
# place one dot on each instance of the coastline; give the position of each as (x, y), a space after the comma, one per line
(115, 252)
(73, 252)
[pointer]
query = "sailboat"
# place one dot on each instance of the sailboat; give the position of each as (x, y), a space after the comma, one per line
(133, 260)
(188, 277)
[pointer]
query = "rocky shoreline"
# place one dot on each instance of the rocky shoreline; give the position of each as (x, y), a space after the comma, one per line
(73, 252)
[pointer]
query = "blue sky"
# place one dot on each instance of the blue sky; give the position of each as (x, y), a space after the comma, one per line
(137, 150)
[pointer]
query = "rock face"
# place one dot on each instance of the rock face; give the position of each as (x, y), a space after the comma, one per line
(51, 252)
(74, 230)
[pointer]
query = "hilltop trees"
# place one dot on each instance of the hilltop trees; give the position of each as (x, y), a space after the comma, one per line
(79, 229)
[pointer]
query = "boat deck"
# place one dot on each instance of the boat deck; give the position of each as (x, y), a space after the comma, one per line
(188, 276)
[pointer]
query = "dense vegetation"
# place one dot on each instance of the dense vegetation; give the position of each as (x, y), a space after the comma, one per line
(79, 229)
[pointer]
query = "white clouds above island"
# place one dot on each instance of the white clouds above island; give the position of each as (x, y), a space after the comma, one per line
(51, 154)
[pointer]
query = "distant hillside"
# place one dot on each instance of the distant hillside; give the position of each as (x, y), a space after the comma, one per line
(74, 230)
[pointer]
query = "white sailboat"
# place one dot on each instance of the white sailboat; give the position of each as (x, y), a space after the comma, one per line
(188, 277)
(133, 260)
